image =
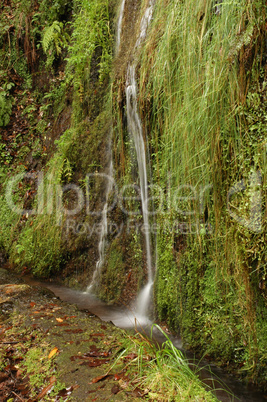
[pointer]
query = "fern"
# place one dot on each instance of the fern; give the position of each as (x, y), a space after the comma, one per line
(54, 38)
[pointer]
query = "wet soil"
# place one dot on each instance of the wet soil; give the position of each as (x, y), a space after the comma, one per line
(77, 349)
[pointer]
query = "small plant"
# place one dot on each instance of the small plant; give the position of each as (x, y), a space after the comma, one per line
(6, 102)
(163, 372)
(54, 40)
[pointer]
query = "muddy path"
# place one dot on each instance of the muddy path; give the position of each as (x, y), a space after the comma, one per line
(51, 349)
(227, 387)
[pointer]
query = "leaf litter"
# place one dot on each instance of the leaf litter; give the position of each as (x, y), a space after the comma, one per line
(81, 358)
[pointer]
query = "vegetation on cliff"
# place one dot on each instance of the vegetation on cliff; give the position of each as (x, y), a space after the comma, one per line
(202, 97)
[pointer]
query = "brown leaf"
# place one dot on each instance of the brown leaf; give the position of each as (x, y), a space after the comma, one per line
(65, 393)
(46, 389)
(59, 319)
(96, 362)
(99, 378)
(32, 304)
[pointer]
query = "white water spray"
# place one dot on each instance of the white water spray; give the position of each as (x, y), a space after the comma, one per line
(135, 128)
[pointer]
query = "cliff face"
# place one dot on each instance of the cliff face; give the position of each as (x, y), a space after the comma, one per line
(200, 75)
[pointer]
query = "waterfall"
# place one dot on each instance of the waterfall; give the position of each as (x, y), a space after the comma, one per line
(104, 226)
(119, 25)
(135, 128)
(104, 221)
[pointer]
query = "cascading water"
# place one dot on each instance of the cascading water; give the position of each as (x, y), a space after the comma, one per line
(104, 221)
(118, 37)
(135, 128)
(104, 227)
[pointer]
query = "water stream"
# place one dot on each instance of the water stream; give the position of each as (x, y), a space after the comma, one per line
(135, 128)
(104, 221)
(119, 26)
(104, 227)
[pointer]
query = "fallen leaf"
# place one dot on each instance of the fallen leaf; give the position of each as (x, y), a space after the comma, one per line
(99, 378)
(52, 353)
(46, 389)
(32, 304)
(65, 393)
(59, 319)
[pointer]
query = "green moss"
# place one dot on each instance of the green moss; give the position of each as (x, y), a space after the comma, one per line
(167, 281)
(113, 275)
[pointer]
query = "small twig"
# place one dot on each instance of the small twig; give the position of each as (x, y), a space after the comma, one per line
(9, 343)
(17, 396)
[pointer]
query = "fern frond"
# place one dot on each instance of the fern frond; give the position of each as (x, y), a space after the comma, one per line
(52, 37)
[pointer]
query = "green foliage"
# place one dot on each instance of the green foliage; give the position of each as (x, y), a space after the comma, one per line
(112, 278)
(54, 40)
(167, 280)
(164, 372)
(8, 225)
(6, 102)
(39, 244)
(58, 10)
(202, 100)
(91, 36)
(37, 365)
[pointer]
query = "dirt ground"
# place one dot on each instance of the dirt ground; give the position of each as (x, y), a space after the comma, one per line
(52, 351)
